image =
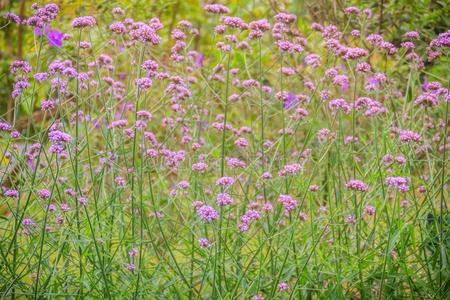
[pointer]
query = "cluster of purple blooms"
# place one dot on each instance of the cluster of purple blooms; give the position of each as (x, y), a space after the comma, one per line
(357, 185)
(247, 218)
(400, 183)
(207, 213)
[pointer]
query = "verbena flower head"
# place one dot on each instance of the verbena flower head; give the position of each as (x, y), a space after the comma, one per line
(400, 183)
(225, 181)
(409, 136)
(204, 243)
(285, 18)
(288, 203)
(258, 297)
(146, 34)
(83, 22)
(207, 213)
(44, 194)
(11, 193)
(290, 170)
(283, 286)
(357, 185)
(18, 66)
(12, 17)
(216, 9)
(224, 199)
(43, 15)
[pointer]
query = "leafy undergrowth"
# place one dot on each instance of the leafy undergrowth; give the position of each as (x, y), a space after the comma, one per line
(281, 164)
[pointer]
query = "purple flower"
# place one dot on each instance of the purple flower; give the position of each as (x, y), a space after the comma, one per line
(199, 61)
(28, 222)
(224, 199)
(85, 21)
(216, 9)
(55, 38)
(372, 83)
(225, 181)
(144, 83)
(11, 194)
(291, 101)
(425, 84)
(357, 185)
(400, 183)
(282, 286)
(204, 243)
(11, 17)
(207, 214)
(44, 194)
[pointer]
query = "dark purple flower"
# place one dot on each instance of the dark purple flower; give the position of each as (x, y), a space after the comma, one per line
(55, 38)
(199, 61)
(291, 101)
(425, 84)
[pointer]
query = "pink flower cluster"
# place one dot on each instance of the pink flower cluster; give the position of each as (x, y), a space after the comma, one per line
(288, 203)
(207, 213)
(82, 22)
(247, 218)
(400, 183)
(357, 185)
